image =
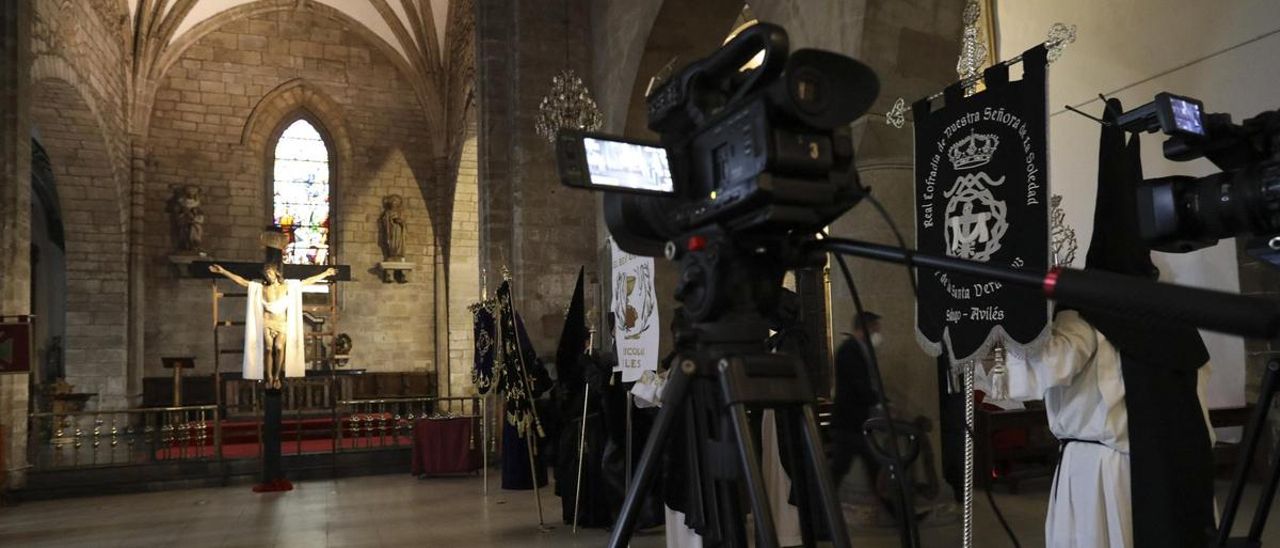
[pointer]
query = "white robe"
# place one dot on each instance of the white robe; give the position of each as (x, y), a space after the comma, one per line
(786, 518)
(294, 355)
(1078, 376)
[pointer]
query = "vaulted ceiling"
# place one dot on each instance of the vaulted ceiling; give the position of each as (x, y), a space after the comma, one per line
(374, 14)
(433, 45)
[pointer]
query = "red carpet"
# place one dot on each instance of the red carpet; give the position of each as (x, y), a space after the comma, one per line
(273, 486)
(287, 447)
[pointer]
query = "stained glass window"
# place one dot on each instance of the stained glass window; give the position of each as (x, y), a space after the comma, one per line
(301, 186)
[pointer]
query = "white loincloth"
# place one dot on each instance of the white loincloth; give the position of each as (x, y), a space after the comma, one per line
(295, 353)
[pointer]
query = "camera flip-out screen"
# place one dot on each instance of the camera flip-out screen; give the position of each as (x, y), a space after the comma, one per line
(622, 165)
(1186, 115)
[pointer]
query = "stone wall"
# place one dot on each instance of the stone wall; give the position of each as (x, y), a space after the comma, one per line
(78, 49)
(15, 230)
(540, 230)
(216, 112)
(464, 267)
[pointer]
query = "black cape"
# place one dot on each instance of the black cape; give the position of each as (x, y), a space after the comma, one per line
(1171, 459)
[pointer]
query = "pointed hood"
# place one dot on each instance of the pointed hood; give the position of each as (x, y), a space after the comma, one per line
(574, 334)
(1117, 246)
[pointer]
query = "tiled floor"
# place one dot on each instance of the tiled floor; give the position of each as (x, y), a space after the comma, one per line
(389, 510)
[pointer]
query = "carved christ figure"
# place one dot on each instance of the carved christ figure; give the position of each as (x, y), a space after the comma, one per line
(273, 338)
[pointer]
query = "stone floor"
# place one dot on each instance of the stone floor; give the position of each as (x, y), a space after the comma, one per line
(395, 510)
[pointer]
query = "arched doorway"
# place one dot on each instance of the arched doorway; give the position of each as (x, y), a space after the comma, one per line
(94, 220)
(48, 269)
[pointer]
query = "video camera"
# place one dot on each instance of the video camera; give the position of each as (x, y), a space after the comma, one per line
(1179, 214)
(765, 151)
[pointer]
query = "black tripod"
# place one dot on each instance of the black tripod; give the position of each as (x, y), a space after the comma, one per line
(722, 368)
(1252, 436)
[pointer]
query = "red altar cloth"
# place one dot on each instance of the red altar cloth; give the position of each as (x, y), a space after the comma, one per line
(443, 446)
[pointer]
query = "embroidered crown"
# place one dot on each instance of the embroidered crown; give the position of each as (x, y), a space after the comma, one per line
(973, 151)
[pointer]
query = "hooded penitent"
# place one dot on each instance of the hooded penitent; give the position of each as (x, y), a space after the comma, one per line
(1171, 459)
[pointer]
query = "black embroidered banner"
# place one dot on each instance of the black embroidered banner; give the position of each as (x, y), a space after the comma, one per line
(520, 376)
(486, 336)
(982, 193)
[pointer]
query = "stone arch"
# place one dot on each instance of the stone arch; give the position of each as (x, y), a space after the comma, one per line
(683, 31)
(95, 222)
(285, 100)
(290, 101)
(50, 67)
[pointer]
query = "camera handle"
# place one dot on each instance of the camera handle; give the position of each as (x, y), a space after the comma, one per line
(1137, 298)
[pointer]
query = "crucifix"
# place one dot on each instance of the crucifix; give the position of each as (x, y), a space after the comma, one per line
(274, 306)
(274, 338)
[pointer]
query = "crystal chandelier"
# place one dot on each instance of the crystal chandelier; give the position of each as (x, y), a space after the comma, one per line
(567, 106)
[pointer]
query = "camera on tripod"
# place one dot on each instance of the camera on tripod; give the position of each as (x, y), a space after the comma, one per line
(1180, 214)
(764, 152)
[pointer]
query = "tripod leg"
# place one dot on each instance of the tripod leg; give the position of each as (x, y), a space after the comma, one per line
(826, 488)
(1268, 496)
(750, 460)
(1249, 449)
(673, 401)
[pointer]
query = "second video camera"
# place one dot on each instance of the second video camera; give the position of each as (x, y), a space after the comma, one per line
(1179, 214)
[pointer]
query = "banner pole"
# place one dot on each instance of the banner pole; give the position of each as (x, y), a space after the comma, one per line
(484, 442)
(582, 449)
(530, 438)
(969, 414)
(628, 461)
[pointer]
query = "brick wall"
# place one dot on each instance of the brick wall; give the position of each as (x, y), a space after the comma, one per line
(198, 136)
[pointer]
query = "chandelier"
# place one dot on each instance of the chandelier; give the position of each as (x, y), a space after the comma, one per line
(567, 106)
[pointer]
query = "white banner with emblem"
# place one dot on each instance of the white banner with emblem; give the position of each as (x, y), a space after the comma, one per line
(634, 304)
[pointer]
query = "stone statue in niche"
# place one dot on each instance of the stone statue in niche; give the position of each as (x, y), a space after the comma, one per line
(391, 232)
(391, 224)
(187, 219)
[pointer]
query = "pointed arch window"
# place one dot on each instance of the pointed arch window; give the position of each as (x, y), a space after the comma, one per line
(301, 191)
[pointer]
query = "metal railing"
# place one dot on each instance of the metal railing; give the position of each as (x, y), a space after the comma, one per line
(80, 439)
(160, 435)
(375, 423)
(358, 423)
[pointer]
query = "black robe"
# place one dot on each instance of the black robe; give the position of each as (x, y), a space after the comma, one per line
(1171, 457)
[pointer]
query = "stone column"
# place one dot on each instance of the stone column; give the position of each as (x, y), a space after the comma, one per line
(15, 220)
(540, 230)
(137, 274)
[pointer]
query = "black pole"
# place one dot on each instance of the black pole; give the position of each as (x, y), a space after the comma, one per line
(272, 470)
(1128, 296)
